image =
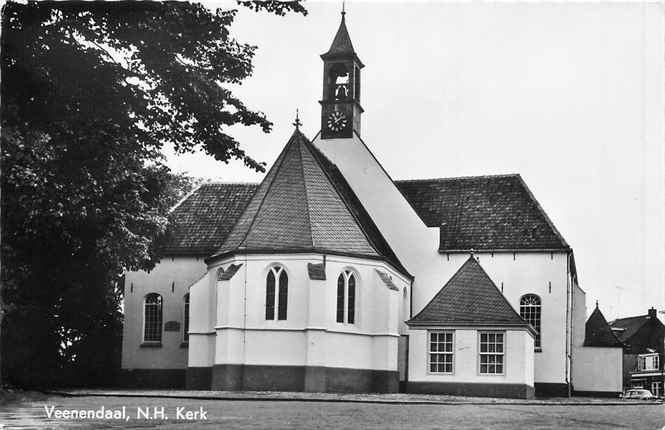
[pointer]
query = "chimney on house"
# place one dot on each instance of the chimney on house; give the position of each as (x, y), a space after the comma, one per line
(652, 313)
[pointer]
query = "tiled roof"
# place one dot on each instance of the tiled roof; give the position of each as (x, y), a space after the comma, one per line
(629, 326)
(341, 44)
(469, 298)
(201, 222)
(303, 204)
(482, 213)
(598, 332)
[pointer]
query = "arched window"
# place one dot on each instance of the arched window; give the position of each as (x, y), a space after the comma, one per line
(185, 324)
(277, 293)
(530, 311)
(346, 297)
(152, 318)
(339, 79)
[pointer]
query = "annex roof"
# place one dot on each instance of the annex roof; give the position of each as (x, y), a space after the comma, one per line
(469, 298)
(483, 213)
(304, 204)
(598, 332)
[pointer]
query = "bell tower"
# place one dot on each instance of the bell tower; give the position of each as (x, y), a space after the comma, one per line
(340, 105)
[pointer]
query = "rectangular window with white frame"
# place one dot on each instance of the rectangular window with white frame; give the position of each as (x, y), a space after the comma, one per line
(491, 352)
(441, 355)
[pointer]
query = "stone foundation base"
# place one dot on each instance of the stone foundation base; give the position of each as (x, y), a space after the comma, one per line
(544, 389)
(237, 377)
(152, 378)
(518, 391)
(198, 378)
(609, 394)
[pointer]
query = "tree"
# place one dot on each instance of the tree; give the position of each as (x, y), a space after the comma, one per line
(91, 93)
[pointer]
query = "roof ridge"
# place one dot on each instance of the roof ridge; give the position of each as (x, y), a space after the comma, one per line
(280, 158)
(341, 197)
(392, 259)
(307, 205)
(543, 213)
(185, 197)
(500, 175)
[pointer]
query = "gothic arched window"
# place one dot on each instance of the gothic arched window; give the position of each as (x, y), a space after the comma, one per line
(152, 318)
(346, 297)
(530, 310)
(277, 293)
(185, 334)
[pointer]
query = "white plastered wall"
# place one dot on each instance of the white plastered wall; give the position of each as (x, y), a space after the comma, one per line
(598, 369)
(310, 335)
(518, 358)
(416, 245)
(170, 278)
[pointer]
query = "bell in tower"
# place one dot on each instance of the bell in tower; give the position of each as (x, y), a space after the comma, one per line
(340, 105)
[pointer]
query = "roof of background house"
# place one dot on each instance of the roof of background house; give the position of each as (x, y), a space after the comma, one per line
(598, 332)
(629, 326)
(469, 298)
(483, 213)
(304, 204)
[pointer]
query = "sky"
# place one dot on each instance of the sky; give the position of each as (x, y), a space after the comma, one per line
(570, 96)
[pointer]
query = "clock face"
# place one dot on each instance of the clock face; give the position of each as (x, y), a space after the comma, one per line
(337, 121)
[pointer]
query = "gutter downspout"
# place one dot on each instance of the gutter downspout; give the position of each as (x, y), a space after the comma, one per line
(569, 323)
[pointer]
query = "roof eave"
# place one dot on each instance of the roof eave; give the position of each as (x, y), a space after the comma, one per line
(224, 255)
(342, 56)
(501, 250)
(474, 325)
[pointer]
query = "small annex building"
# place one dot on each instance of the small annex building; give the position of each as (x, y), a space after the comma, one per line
(494, 345)
(331, 276)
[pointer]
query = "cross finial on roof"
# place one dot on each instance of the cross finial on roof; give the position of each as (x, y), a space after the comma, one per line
(297, 122)
(343, 11)
(596, 303)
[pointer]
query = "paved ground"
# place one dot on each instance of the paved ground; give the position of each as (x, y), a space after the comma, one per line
(272, 414)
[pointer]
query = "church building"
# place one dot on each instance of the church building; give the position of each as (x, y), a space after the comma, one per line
(329, 276)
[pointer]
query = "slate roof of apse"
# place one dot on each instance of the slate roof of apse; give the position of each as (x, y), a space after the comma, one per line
(304, 204)
(598, 332)
(630, 326)
(201, 222)
(483, 213)
(469, 298)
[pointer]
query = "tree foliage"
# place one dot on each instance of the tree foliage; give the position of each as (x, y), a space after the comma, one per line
(91, 94)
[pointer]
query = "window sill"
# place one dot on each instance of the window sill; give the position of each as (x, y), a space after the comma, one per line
(184, 345)
(151, 345)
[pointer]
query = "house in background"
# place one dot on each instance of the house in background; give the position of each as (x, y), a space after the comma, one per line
(643, 338)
